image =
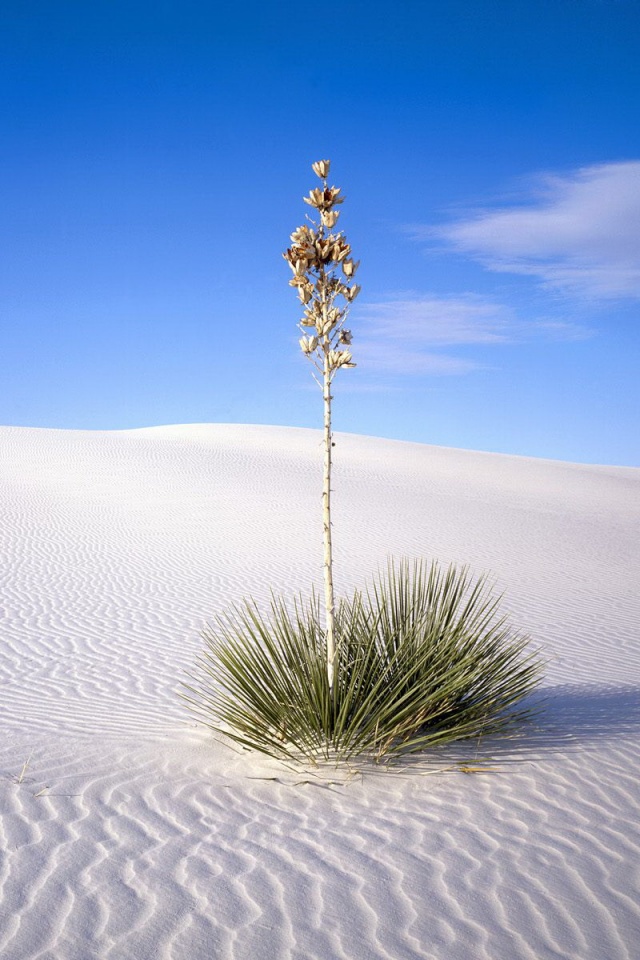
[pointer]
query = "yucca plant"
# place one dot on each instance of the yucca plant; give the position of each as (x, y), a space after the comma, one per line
(423, 657)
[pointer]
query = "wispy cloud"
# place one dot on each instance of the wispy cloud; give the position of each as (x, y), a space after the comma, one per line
(423, 334)
(397, 358)
(408, 333)
(439, 320)
(578, 233)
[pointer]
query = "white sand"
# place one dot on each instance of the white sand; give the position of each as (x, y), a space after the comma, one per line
(132, 835)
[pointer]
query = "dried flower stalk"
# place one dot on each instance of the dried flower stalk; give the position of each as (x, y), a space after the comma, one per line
(323, 272)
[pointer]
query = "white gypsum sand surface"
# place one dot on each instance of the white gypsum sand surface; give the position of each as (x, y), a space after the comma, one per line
(132, 834)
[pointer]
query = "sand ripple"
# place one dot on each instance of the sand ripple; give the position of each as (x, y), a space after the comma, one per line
(130, 834)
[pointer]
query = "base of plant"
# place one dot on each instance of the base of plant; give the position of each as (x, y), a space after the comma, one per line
(423, 658)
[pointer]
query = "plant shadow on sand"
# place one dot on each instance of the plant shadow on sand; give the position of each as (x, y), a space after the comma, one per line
(585, 714)
(568, 717)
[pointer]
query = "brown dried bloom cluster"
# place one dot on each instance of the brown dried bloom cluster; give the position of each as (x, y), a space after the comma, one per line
(323, 271)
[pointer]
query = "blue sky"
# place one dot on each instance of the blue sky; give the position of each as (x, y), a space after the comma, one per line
(154, 158)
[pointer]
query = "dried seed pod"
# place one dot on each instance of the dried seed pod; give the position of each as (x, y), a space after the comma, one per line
(308, 344)
(329, 217)
(324, 199)
(341, 250)
(349, 267)
(321, 168)
(339, 358)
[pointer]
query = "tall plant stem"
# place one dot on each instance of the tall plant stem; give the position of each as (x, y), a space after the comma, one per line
(316, 255)
(329, 599)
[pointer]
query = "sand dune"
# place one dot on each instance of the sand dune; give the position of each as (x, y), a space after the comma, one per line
(132, 835)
